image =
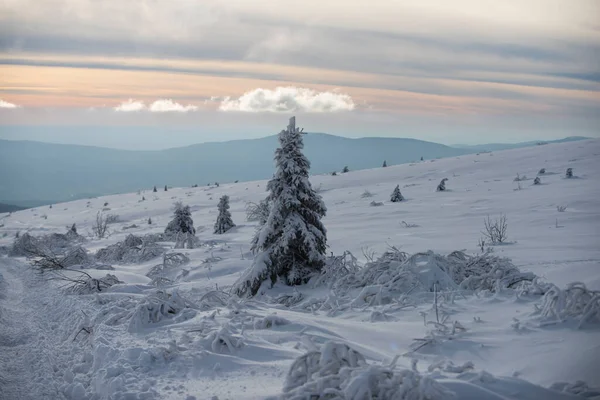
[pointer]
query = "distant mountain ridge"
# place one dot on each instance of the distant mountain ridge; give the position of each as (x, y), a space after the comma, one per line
(36, 173)
(508, 146)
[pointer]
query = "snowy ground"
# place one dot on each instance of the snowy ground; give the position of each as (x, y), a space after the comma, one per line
(44, 353)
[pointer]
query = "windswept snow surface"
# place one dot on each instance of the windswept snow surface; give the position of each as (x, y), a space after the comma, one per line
(189, 340)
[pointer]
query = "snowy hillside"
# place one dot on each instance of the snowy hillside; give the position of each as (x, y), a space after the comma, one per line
(170, 330)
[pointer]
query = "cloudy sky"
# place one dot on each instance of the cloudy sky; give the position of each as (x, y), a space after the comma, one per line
(461, 71)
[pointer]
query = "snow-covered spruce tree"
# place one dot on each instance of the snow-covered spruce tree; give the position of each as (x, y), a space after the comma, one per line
(442, 186)
(537, 181)
(291, 245)
(154, 190)
(224, 221)
(182, 221)
(384, 164)
(165, 188)
(396, 195)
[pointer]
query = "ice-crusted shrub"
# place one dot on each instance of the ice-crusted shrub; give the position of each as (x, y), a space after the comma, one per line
(561, 208)
(338, 372)
(569, 173)
(158, 307)
(442, 186)
(376, 203)
(170, 261)
(335, 268)
(575, 302)
(366, 194)
(89, 285)
(76, 256)
(58, 243)
(258, 211)
(23, 245)
(186, 241)
(213, 299)
(270, 321)
(579, 388)
(223, 341)
(112, 218)
(133, 249)
(396, 272)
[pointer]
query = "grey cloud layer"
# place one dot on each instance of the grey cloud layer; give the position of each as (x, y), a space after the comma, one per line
(526, 43)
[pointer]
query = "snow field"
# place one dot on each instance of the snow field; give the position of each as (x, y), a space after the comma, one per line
(190, 339)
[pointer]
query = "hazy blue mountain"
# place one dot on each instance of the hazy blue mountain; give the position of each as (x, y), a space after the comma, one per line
(34, 173)
(5, 208)
(507, 146)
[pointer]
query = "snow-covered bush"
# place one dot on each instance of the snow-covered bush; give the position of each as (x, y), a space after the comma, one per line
(88, 285)
(396, 272)
(542, 171)
(186, 241)
(396, 195)
(376, 203)
(345, 169)
(76, 256)
(335, 268)
(182, 221)
(569, 173)
(560, 208)
(338, 372)
(258, 211)
(291, 245)
(442, 186)
(57, 243)
(112, 218)
(366, 194)
(224, 221)
(23, 245)
(576, 302)
(223, 341)
(133, 249)
(157, 307)
(495, 230)
(270, 321)
(578, 388)
(537, 181)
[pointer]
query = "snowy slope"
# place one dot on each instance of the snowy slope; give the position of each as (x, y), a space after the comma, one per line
(183, 356)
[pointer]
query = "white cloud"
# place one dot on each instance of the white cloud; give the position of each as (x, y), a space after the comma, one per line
(158, 106)
(131, 106)
(6, 104)
(288, 99)
(168, 105)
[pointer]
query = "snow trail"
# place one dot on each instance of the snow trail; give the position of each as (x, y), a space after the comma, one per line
(26, 344)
